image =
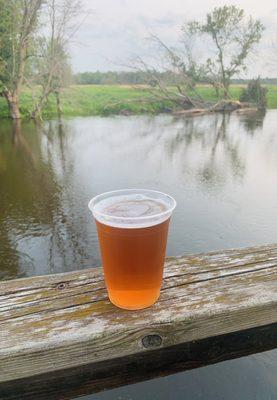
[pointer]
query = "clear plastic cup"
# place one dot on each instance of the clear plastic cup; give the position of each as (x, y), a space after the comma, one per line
(132, 227)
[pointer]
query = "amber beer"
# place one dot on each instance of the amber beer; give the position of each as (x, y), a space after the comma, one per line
(132, 229)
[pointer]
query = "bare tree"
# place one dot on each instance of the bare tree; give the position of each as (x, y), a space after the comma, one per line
(186, 71)
(52, 68)
(18, 22)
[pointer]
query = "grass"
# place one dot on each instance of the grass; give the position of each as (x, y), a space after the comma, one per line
(106, 100)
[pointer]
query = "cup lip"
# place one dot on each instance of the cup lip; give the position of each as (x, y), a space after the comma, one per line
(117, 218)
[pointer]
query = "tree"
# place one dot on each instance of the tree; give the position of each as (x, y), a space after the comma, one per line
(232, 36)
(18, 22)
(225, 39)
(52, 68)
(177, 83)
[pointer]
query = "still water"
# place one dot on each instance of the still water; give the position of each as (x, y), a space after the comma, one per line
(221, 169)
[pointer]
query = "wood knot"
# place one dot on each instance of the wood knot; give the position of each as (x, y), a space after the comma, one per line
(62, 285)
(150, 341)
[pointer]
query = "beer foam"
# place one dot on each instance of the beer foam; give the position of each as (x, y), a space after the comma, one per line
(137, 207)
(133, 210)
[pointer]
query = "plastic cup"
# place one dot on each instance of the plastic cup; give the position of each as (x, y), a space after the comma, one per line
(133, 247)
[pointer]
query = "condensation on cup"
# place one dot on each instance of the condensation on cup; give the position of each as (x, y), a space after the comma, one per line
(132, 227)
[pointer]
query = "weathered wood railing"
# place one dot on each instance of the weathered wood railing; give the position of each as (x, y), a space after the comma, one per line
(61, 337)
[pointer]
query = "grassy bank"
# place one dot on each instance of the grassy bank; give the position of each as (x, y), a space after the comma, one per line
(105, 100)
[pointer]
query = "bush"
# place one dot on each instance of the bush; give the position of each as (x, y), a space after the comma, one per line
(255, 93)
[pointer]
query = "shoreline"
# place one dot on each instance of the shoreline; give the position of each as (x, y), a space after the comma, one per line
(103, 100)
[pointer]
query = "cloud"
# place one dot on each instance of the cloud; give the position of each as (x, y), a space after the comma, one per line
(115, 30)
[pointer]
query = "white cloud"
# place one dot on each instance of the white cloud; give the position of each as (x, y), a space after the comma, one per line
(115, 30)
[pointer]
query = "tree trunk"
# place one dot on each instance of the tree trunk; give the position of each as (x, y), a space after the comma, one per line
(36, 111)
(58, 103)
(216, 89)
(13, 104)
(226, 84)
(225, 93)
(39, 106)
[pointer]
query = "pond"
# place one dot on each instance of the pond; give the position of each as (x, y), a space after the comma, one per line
(222, 170)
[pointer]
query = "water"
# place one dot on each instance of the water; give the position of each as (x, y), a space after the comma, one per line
(222, 170)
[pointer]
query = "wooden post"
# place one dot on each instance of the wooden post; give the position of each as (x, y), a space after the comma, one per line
(62, 329)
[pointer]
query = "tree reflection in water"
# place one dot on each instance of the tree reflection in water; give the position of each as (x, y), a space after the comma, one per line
(220, 149)
(33, 217)
(253, 122)
(48, 172)
(30, 196)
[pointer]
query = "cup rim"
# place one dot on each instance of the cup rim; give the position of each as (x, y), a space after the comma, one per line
(117, 218)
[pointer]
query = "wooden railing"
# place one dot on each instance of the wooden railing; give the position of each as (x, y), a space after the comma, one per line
(61, 337)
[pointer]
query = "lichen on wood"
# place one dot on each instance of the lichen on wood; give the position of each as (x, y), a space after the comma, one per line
(60, 321)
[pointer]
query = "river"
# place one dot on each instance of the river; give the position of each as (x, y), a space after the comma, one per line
(222, 170)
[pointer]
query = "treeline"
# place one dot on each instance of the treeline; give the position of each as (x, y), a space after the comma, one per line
(118, 77)
(263, 81)
(140, 78)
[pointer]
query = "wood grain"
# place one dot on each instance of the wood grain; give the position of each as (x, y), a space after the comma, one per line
(62, 321)
(95, 377)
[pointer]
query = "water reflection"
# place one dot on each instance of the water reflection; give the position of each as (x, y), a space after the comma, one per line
(215, 142)
(253, 121)
(221, 169)
(26, 187)
(49, 171)
(37, 226)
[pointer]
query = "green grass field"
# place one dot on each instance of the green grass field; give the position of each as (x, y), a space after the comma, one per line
(106, 100)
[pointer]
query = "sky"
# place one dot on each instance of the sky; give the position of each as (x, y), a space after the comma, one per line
(115, 31)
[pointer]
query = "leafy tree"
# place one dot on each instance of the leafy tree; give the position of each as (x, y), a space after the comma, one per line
(233, 37)
(18, 22)
(225, 38)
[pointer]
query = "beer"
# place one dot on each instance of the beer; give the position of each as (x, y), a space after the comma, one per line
(132, 229)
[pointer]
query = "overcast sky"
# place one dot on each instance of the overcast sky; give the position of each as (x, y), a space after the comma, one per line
(116, 30)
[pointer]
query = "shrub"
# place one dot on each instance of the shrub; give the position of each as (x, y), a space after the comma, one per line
(255, 93)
